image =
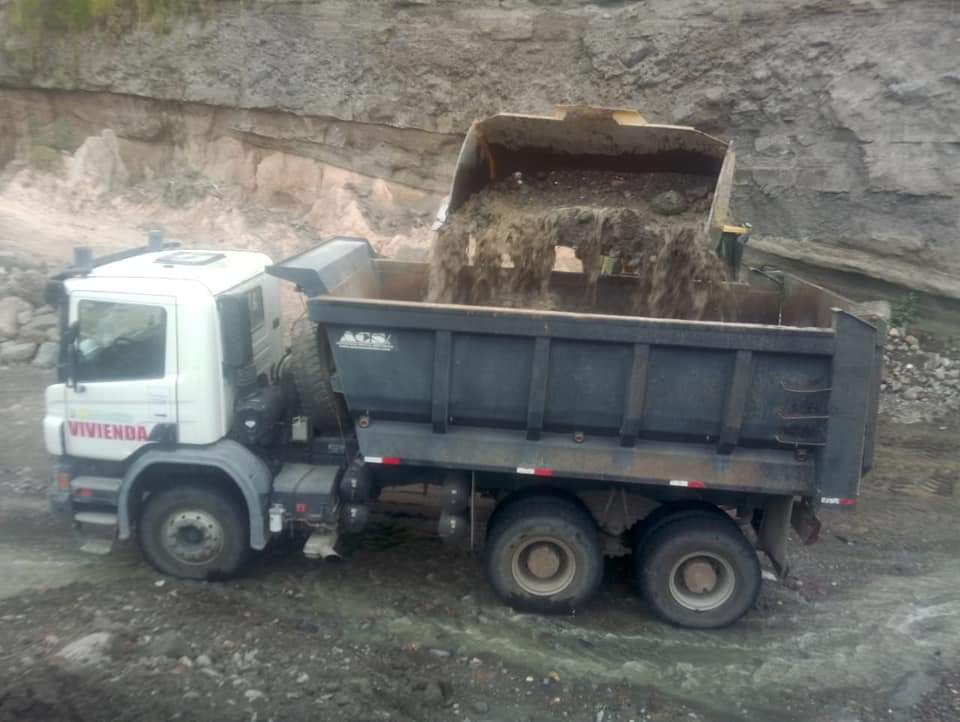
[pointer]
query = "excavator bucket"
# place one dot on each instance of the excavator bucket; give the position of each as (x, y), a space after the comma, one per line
(588, 138)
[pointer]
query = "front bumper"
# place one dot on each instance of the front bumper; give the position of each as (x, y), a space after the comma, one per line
(89, 504)
(70, 491)
(61, 506)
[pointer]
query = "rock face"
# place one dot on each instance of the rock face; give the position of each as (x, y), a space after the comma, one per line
(97, 162)
(845, 115)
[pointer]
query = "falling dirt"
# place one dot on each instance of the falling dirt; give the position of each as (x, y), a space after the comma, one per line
(499, 248)
(682, 279)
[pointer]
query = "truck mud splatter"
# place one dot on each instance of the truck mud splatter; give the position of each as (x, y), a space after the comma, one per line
(499, 248)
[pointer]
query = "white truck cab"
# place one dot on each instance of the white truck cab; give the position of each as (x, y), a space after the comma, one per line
(147, 352)
(167, 399)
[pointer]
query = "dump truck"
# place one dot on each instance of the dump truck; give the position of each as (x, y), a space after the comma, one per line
(550, 439)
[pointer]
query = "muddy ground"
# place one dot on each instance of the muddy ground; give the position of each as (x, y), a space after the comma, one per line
(406, 628)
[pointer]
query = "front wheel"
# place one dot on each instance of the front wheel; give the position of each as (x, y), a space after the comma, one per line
(699, 572)
(544, 554)
(194, 533)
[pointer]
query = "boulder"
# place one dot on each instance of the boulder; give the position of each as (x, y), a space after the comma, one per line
(43, 322)
(20, 259)
(47, 355)
(10, 309)
(8, 319)
(669, 203)
(167, 644)
(39, 328)
(16, 351)
(91, 650)
(28, 284)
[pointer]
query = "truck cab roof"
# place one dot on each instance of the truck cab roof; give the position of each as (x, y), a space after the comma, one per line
(216, 270)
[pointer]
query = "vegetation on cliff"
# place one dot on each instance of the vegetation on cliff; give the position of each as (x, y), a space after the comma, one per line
(37, 18)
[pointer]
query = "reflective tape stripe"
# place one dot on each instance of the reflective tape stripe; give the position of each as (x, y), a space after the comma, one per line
(534, 471)
(836, 500)
(688, 483)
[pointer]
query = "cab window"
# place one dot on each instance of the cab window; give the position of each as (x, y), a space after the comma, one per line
(120, 341)
(255, 302)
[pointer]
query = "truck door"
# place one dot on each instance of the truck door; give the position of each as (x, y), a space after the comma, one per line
(123, 390)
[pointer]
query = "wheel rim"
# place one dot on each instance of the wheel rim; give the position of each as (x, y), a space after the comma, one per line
(544, 566)
(192, 536)
(702, 581)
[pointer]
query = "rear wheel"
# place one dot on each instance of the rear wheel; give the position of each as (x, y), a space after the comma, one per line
(669, 514)
(544, 554)
(194, 533)
(699, 572)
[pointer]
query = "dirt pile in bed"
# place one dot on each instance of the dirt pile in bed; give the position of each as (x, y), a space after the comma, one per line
(499, 248)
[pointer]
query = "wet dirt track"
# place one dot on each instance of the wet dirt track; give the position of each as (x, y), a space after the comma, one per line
(406, 628)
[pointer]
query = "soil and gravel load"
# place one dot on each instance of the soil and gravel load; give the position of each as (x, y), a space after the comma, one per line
(499, 248)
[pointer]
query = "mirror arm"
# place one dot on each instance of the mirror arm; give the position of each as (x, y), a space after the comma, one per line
(69, 355)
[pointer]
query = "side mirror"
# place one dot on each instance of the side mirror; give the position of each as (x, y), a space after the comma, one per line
(236, 332)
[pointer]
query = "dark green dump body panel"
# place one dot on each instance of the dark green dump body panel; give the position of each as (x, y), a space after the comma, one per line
(434, 376)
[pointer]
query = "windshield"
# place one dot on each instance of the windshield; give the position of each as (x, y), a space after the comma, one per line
(120, 341)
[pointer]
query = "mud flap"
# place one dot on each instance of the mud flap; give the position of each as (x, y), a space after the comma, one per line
(774, 525)
(805, 523)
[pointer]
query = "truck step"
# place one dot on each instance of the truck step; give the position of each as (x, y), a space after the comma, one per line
(95, 531)
(100, 547)
(95, 517)
(322, 545)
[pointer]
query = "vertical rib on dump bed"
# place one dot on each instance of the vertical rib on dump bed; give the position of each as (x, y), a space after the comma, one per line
(728, 406)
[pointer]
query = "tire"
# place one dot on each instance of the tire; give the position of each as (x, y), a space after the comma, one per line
(715, 554)
(667, 514)
(194, 533)
(544, 531)
(311, 364)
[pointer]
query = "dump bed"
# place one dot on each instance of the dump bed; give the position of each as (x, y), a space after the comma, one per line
(781, 402)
